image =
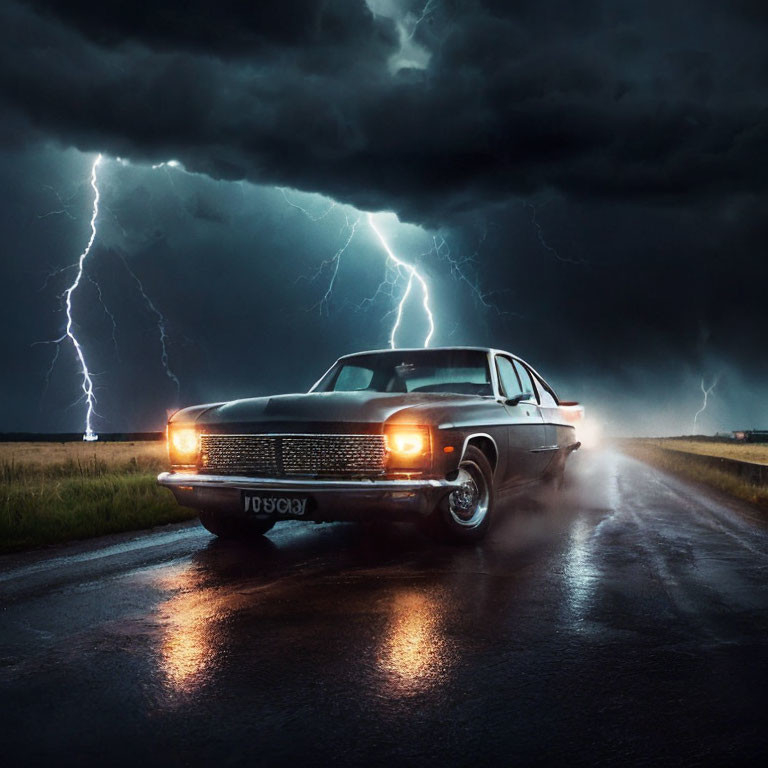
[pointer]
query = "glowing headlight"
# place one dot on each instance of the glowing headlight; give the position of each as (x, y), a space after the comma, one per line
(407, 442)
(183, 445)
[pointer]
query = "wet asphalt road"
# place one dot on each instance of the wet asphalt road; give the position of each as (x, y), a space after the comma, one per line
(624, 623)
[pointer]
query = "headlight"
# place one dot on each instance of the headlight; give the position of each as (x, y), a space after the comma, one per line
(406, 442)
(407, 446)
(183, 445)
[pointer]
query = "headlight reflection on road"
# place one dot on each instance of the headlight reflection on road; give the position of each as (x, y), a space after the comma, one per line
(192, 641)
(186, 650)
(414, 656)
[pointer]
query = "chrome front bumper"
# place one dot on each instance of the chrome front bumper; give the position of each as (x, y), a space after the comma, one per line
(333, 499)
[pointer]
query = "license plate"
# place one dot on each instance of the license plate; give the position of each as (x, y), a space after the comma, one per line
(273, 505)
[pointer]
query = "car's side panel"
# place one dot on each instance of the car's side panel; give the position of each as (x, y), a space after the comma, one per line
(480, 420)
(565, 436)
(516, 430)
(525, 436)
(552, 443)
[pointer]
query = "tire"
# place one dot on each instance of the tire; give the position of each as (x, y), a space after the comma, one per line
(464, 516)
(233, 527)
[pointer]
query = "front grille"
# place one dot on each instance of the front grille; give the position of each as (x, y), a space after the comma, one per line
(248, 455)
(293, 455)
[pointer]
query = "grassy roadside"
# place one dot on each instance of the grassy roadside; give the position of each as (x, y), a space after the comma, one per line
(658, 454)
(754, 452)
(55, 492)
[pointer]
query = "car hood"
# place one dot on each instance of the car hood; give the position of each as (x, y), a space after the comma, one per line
(333, 407)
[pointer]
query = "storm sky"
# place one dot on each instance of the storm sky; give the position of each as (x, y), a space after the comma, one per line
(581, 182)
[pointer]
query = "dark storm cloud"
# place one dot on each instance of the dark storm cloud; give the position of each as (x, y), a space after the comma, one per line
(228, 28)
(605, 162)
(651, 101)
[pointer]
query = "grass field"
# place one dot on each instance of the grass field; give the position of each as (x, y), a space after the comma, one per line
(754, 452)
(674, 459)
(54, 492)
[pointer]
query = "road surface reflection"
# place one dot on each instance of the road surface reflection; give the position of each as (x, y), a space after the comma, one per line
(191, 639)
(415, 656)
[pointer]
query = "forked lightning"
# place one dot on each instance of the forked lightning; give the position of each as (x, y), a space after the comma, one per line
(87, 383)
(413, 274)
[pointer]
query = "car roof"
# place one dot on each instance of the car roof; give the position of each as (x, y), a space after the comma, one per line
(419, 349)
(486, 350)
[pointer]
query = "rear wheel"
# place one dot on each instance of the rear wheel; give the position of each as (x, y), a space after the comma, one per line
(464, 515)
(232, 527)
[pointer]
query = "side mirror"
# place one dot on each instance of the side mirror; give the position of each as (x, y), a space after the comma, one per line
(517, 399)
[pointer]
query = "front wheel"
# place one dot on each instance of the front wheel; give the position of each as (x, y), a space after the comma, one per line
(464, 515)
(232, 527)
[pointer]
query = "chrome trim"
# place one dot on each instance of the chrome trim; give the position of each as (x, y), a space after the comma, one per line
(313, 388)
(473, 490)
(299, 484)
(480, 434)
(232, 453)
(528, 365)
(491, 357)
(291, 434)
(503, 400)
(545, 449)
(477, 423)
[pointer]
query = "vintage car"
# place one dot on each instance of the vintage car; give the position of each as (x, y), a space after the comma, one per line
(406, 434)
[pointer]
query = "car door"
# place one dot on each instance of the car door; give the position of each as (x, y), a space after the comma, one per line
(524, 424)
(552, 418)
(545, 450)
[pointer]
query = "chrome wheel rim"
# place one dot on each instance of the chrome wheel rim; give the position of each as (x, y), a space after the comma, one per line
(468, 504)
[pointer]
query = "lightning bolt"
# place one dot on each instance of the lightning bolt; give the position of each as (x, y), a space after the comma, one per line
(310, 216)
(707, 392)
(388, 286)
(397, 269)
(461, 270)
(413, 275)
(160, 326)
(166, 165)
(426, 11)
(65, 206)
(542, 240)
(107, 311)
(334, 262)
(80, 274)
(87, 381)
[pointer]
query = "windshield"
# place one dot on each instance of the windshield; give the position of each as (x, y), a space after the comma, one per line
(463, 372)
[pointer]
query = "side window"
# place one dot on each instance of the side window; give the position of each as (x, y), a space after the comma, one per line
(509, 381)
(352, 378)
(546, 396)
(526, 380)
